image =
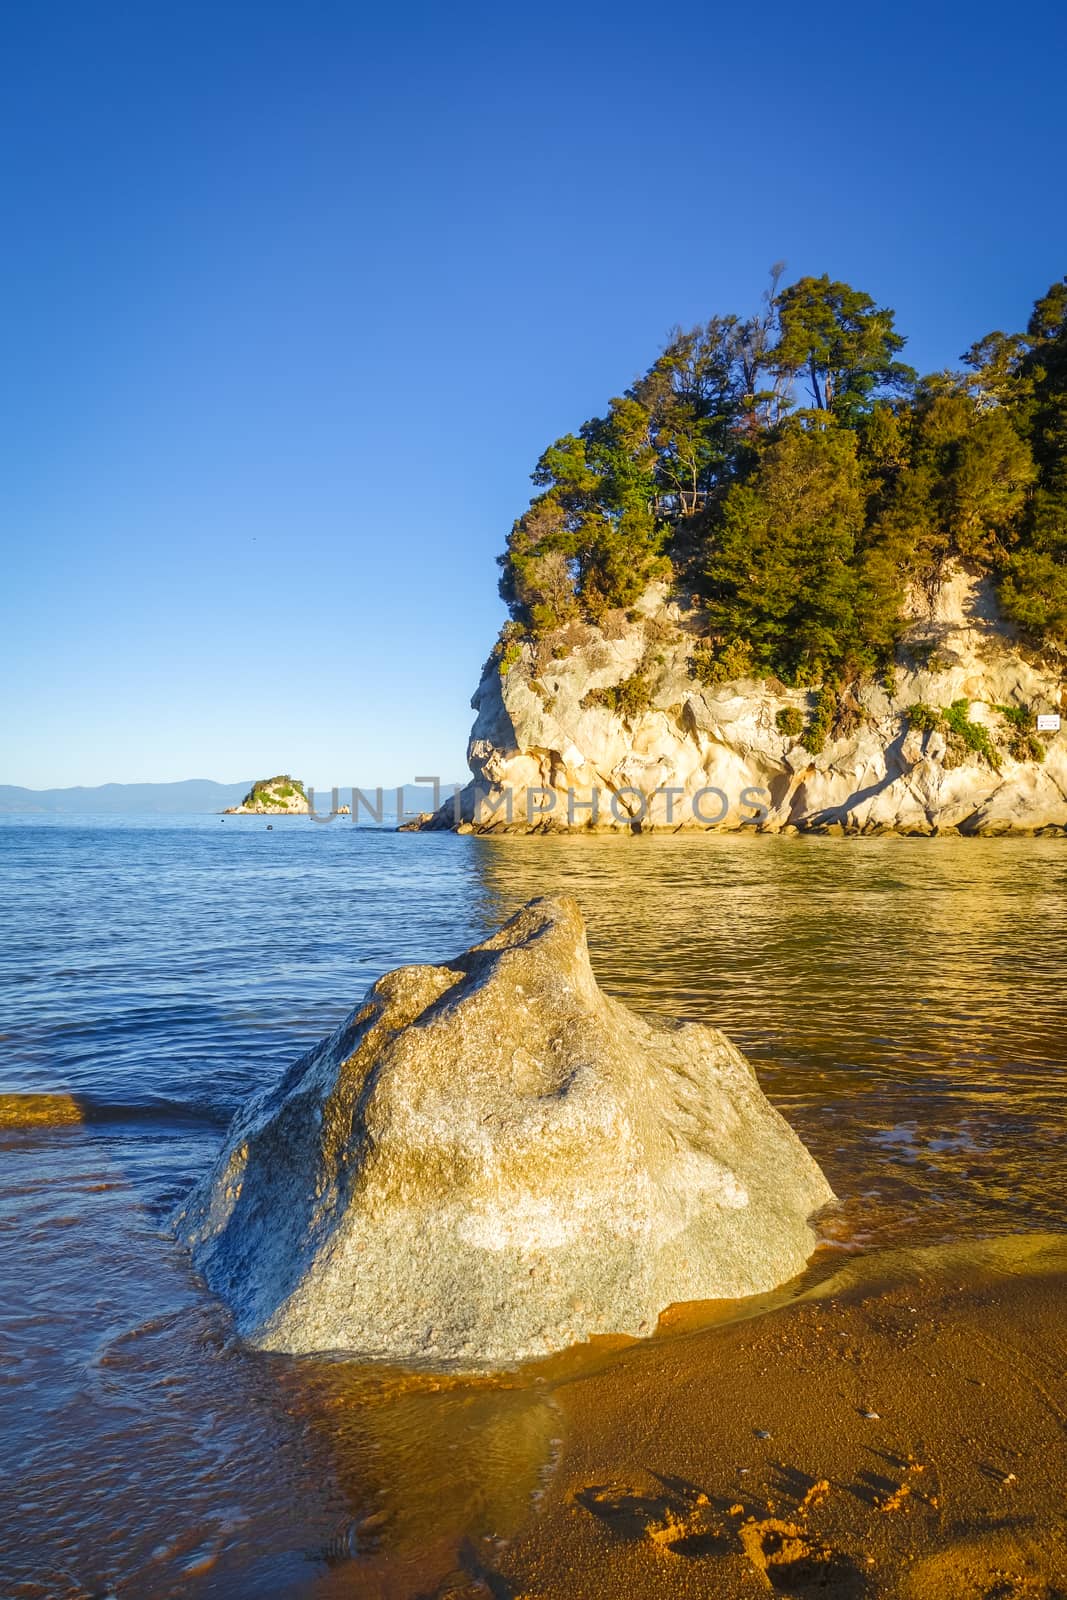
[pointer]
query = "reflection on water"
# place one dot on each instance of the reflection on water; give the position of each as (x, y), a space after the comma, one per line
(903, 1001)
(147, 1454)
(140, 1453)
(438, 1473)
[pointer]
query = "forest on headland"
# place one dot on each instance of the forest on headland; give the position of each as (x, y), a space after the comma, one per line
(794, 477)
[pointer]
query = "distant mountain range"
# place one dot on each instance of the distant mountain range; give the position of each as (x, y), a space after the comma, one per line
(192, 794)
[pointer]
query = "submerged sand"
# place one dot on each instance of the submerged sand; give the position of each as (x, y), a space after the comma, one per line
(38, 1110)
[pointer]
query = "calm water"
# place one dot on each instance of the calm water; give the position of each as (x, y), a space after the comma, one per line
(904, 1001)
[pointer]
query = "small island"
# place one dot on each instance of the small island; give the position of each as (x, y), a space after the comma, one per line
(272, 796)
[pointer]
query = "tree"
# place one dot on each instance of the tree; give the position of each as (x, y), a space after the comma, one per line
(595, 519)
(693, 396)
(842, 343)
(959, 484)
(978, 471)
(1026, 373)
(763, 382)
(1033, 583)
(781, 574)
(809, 524)
(1043, 370)
(995, 361)
(1033, 588)
(538, 576)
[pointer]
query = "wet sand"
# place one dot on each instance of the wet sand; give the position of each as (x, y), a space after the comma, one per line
(896, 1430)
(900, 1438)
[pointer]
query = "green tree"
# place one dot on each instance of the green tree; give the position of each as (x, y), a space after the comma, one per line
(841, 343)
(693, 396)
(1043, 371)
(808, 527)
(781, 575)
(996, 361)
(591, 539)
(1033, 588)
(538, 577)
(1033, 582)
(978, 471)
(953, 482)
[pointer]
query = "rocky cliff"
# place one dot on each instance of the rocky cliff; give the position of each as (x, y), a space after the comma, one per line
(610, 728)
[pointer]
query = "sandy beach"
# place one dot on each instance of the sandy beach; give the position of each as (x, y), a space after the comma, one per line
(903, 1441)
(895, 1433)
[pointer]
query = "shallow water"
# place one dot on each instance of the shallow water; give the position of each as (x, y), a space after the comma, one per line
(904, 1002)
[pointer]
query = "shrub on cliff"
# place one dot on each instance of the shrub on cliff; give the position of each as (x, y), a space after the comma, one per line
(962, 736)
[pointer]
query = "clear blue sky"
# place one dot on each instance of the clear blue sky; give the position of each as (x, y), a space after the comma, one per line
(294, 295)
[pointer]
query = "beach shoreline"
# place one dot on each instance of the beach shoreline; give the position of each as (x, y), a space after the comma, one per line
(900, 1439)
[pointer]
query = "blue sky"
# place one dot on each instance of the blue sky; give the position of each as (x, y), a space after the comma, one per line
(294, 295)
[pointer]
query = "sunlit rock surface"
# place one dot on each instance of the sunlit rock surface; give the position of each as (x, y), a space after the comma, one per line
(551, 741)
(490, 1159)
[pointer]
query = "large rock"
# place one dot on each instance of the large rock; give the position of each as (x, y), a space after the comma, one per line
(491, 1159)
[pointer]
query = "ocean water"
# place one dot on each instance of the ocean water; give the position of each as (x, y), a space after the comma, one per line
(903, 1000)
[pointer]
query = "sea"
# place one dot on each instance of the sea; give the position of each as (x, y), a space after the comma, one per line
(903, 1001)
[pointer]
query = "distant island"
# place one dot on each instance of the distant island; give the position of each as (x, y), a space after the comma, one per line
(283, 795)
(784, 582)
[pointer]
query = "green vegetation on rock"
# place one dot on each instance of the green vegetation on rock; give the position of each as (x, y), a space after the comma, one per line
(274, 793)
(795, 477)
(817, 729)
(924, 718)
(972, 735)
(1023, 743)
(629, 698)
(963, 737)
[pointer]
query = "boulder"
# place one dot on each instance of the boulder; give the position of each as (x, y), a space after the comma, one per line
(491, 1159)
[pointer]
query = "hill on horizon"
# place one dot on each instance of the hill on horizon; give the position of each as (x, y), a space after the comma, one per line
(186, 796)
(190, 794)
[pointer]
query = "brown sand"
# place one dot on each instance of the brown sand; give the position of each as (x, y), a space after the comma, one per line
(894, 1430)
(744, 1459)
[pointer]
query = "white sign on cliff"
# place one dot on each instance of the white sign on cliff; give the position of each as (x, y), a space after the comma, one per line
(1048, 722)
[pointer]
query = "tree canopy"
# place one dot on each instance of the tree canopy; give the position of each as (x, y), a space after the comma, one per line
(795, 476)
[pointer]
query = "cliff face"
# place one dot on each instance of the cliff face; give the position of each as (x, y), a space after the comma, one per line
(613, 716)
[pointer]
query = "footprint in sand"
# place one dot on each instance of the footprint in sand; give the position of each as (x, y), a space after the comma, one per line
(682, 1520)
(794, 1563)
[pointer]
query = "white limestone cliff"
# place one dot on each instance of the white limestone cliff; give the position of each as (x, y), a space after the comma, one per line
(617, 711)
